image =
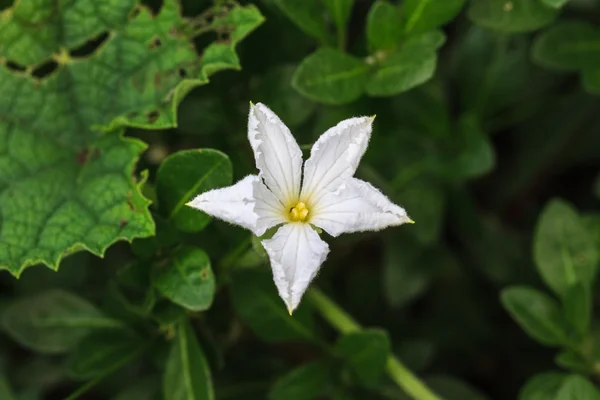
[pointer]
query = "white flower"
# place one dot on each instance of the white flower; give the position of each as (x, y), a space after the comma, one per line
(326, 195)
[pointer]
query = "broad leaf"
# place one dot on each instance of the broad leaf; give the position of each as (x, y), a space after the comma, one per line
(577, 387)
(184, 175)
(570, 45)
(537, 314)
(187, 375)
(511, 16)
(187, 279)
(383, 25)
(564, 252)
(543, 386)
(366, 352)
(578, 307)
(423, 15)
(53, 321)
(413, 64)
(303, 383)
(256, 301)
(308, 15)
(64, 186)
(102, 353)
(330, 76)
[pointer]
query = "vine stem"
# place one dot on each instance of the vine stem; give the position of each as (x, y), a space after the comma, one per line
(344, 323)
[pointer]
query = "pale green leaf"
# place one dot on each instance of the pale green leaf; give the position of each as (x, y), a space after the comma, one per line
(331, 76)
(511, 15)
(413, 64)
(543, 386)
(184, 175)
(564, 251)
(383, 25)
(64, 186)
(536, 313)
(423, 15)
(187, 279)
(187, 374)
(53, 321)
(570, 45)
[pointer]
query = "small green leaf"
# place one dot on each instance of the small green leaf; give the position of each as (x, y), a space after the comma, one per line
(578, 307)
(303, 383)
(256, 301)
(187, 375)
(330, 76)
(574, 361)
(103, 352)
(383, 25)
(413, 64)
(308, 15)
(423, 15)
(543, 386)
(367, 353)
(555, 3)
(187, 279)
(577, 387)
(512, 15)
(184, 175)
(53, 321)
(538, 314)
(340, 10)
(564, 252)
(451, 388)
(572, 45)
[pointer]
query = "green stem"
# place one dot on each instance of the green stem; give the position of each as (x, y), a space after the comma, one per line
(344, 323)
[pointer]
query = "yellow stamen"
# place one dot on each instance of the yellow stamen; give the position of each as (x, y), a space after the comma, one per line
(299, 212)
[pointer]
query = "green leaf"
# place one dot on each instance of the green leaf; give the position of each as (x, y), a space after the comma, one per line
(5, 390)
(451, 388)
(53, 321)
(423, 15)
(543, 386)
(330, 76)
(591, 81)
(537, 313)
(256, 301)
(187, 279)
(578, 307)
(367, 353)
(187, 375)
(555, 3)
(572, 45)
(383, 25)
(103, 352)
(413, 64)
(303, 383)
(184, 175)
(511, 16)
(577, 387)
(340, 10)
(564, 252)
(51, 141)
(308, 15)
(574, 361)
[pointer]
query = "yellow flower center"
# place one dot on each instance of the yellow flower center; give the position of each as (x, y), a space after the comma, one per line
(299, 212)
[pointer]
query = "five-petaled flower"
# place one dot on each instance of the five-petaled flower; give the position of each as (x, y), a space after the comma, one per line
(326, 195)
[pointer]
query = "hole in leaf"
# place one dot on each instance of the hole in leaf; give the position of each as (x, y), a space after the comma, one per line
(182, 72)
(154, 44)
(45, 69)
(13, 66)
(90, 46)
(152, 116)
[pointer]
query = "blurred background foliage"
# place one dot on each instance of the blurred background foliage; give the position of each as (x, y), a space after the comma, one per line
(487, 132)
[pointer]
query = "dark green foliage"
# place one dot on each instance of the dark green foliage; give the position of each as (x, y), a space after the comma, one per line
(487, 132)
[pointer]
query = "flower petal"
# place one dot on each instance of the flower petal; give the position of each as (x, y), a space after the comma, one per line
(247, 203)
(296, 252)
(357, 206)
(335, 156)
(277, 155)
